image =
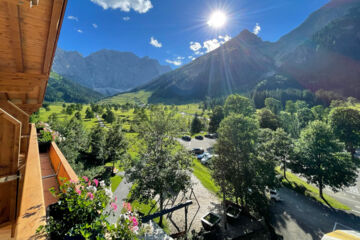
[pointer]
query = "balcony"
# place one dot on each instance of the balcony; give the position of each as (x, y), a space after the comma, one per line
(42, 172)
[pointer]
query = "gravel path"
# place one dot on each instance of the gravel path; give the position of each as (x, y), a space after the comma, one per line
(207, 200)
(121, 193)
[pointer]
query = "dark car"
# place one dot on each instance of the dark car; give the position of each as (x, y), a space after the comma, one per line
(199, 137)
(207, 136)
(186, 138)
(197, 151)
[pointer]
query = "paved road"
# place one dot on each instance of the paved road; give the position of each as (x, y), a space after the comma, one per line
(349, 196)
(298, 217)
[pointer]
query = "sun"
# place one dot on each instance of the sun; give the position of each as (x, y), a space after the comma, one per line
(217, 19)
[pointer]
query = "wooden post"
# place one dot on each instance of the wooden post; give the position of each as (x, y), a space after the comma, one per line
(186, 213)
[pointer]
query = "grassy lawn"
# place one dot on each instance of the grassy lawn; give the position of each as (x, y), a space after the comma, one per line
(140, 97)
(146, 209)
(115, 181)
(57, 109)
(301, 186)
(203, 174)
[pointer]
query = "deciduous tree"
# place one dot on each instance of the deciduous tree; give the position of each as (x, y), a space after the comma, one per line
(321, 160)
(163, 167)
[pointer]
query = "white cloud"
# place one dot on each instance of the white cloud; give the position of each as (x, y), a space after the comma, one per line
(79, 31)
(195, 46)
(95, 25)
(141, 6)
(174, 62)
(211, 45)
(257, 29)
(126, 18)
(73, 18)
(155, 42)
(208, 45)
(225, 38)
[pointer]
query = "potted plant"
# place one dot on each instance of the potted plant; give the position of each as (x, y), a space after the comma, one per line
(232, 213)
(44, 141)
(210, 221)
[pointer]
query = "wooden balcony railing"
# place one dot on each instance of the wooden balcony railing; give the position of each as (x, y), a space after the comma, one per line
(32, 207)
(60, 165)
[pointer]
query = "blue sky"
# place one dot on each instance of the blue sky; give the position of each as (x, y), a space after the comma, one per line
(174, 31)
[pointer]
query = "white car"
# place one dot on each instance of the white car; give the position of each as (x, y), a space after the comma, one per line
(206, 158)
(274, 195)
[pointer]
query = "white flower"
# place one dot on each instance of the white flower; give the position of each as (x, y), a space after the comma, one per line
(91, 189)
(108, 193)
(102, 183)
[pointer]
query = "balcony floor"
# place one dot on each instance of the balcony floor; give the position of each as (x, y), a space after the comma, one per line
(48, 179)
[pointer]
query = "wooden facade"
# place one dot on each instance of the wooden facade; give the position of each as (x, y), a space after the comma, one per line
(29, 31)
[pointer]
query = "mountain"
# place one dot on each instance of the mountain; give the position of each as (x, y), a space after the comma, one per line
(330, 60)
(60, 89)
(234, 67)
(322, 53)
(107, 71)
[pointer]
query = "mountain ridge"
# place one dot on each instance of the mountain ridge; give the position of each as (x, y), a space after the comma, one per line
(107, 71)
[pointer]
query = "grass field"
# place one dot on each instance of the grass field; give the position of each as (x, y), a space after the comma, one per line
(299, 185)
(115, 181)
(140, 97)
(203, 174)
(57, 109)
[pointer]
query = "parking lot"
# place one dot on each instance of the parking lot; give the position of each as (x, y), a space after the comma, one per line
(205, 144)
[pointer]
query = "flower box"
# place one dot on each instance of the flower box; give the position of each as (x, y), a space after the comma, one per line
(210, 221)
(233, 213)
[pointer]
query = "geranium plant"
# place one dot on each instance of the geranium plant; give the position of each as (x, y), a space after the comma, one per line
(80, 213)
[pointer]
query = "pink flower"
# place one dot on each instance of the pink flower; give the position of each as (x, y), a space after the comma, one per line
(96, 182)
(129, 208)
(134, 221)
(90, 195)
(115, 199)
(72, 181)
(85, 178)
(89, 183)
(113, 206)
(78, 191)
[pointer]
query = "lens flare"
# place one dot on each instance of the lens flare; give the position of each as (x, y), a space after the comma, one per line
(217, 19)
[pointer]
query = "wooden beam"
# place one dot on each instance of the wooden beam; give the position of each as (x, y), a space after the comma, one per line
(57, 12)
(20, 76)
(20, 82)
(15, 35)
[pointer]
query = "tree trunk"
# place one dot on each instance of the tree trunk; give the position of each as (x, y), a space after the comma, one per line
(161, 208)
(284, 167)
(224, 207)
(321, 189)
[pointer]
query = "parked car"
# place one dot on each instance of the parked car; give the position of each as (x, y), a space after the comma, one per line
(274, 195)
(197, 151)
(200, 156)
(206, 158)
(211, 135)
(199, 137)
(186, 138)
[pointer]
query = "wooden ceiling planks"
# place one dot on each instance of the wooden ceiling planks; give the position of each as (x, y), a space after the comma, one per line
(28, 37)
